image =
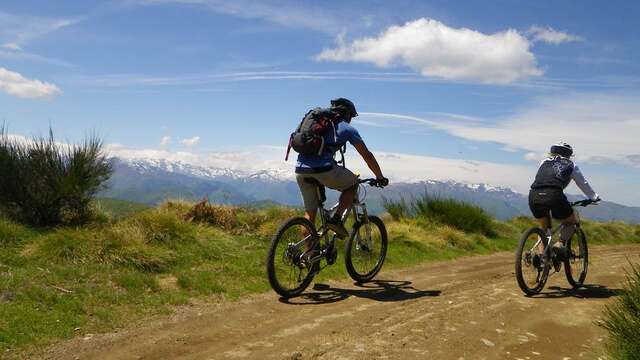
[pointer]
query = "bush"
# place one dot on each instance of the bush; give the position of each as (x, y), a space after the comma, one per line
(45, 183)
(457, 214)
(218, 215)
(460, 215)
(399, 209)
(622, 320)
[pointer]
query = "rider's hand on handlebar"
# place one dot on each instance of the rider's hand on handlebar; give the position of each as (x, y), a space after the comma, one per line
(383, 181)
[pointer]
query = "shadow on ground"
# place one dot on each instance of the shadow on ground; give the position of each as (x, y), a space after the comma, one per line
(378, 290)
(589, 291)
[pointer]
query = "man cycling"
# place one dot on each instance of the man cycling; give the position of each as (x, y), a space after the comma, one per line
(324, 168)
(546, 195)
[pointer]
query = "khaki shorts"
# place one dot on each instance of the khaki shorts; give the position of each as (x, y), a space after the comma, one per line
(338, 178)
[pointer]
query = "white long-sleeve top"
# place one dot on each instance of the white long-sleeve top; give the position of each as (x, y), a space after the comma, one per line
(582, 183)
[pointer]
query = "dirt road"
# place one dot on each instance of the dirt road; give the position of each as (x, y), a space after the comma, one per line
(470, 308)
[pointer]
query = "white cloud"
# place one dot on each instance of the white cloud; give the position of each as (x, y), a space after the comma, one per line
(437, 50)
(190, 141)
(551, 36)
(601, 127)
(166, 140)
(17, 85)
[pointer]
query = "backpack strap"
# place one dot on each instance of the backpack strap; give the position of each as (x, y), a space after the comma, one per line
(286, 157)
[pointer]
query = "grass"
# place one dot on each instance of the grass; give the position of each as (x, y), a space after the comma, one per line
(116, 208)
(622, 320)
(69, 281)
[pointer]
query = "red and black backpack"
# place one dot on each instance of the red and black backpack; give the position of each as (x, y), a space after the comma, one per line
(308, 139)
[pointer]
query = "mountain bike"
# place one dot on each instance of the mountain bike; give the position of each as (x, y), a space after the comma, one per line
(534, 264)
(298, 249)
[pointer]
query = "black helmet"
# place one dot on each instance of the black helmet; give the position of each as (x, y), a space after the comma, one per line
(344, 105)
(563, 149)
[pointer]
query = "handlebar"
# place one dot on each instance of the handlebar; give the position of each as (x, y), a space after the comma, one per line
(585, 202)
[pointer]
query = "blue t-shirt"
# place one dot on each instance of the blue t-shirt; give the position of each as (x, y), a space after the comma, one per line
(344, 133)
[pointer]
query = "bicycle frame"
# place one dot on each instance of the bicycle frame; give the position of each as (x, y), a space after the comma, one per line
(553, 231)
(358, 209)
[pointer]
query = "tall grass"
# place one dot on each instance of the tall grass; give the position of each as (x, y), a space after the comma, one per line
(46, 183)
(457, 214)
(622, 320)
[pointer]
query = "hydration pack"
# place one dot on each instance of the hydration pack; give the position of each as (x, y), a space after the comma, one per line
(309, 137)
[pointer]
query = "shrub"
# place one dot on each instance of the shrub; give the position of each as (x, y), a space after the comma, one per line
(460, 215)
(218, 215)
(457, 214)
(622, 319)
(399, 209)
(45, 183)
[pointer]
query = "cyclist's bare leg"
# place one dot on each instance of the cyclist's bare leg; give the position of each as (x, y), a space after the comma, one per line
(346, 199)
(545, 223)
(568, 230)
(311, 216)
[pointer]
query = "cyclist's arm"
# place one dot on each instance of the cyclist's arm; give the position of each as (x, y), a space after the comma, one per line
(368, 157)
(582, 183)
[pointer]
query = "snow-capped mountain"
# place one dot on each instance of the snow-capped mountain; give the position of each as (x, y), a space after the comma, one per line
(154, 180)
(145, 166)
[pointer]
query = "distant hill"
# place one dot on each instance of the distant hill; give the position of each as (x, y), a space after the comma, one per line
(152, 181)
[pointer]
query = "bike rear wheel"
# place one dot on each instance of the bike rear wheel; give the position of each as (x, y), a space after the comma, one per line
(366, 249)
(577, 262)
(288, 273)
(531, 270)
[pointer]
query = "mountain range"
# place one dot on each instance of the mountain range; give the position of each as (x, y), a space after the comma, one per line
(150, 181)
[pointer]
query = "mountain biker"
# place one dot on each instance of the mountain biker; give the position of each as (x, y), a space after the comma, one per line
(326, 170)
(546, 195)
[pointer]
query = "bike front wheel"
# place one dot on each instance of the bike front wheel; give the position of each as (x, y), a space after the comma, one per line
(531, 269)
(366, 249)
(577, 261)
(288, 273)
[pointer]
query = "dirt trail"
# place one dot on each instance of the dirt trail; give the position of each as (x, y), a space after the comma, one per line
(470, 308)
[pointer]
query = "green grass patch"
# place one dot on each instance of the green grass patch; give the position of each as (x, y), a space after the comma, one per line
(68, 281)
(622, 320)
(117, 209)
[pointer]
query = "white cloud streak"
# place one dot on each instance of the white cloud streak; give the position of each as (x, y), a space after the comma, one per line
(16, 30)
(600, 126)
(15, 84)
(551, 36)
(436, 50)
(284, 13)
(190, 141)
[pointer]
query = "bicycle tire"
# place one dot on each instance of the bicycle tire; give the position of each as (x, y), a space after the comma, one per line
(542, 278)
(351, 246)
(577, 280)
(274, 280)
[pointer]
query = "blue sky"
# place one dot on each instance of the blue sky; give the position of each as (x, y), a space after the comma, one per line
(471, 91)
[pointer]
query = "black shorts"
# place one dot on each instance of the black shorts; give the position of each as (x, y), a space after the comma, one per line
(541, 201)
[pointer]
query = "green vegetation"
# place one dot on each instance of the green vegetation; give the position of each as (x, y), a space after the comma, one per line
(430, 209)
(45, 183)
(117, 209)
(622, 320)
(68, 281)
